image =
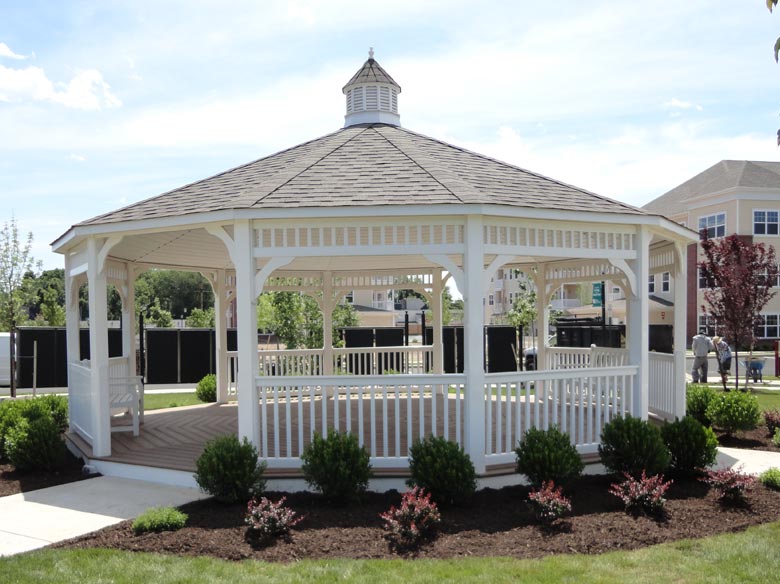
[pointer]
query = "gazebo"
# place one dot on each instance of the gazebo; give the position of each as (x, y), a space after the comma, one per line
(377, 206)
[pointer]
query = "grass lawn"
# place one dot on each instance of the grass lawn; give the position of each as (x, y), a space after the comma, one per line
(158, 401)
(744, 557)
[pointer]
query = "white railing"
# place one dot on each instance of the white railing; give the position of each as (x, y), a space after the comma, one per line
(578, 402)
(580, 357)
(293, 362)
(382, 360)
(386, 413)
(567, 357)
(661, 385)
(80, 400)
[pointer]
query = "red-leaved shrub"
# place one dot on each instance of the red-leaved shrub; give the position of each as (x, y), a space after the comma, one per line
(645, 494)
(415, 520)
(730, 484)
(772, 421)
(268, 520)
(548, 503)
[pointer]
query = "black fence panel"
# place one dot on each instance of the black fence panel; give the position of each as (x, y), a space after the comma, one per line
(356, 338)
(390, 337)
(196, 355)
(162, 355)
(661, 338)
(586, 335)
(502, 349)
(52, 362)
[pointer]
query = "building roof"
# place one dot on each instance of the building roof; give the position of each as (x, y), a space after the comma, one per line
(371, 72)
(368, 165)
(726, 174)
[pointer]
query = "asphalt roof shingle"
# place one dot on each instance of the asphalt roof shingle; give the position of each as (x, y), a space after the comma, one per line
(368, 165)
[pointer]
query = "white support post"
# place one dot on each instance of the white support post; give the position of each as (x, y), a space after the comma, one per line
(542, 315)
(327, 323)
(98, 349)
(246, 303)
(679, 330)
(436, 309)
(71, 323)
(474, 268)
(638, 323)
(128, 320)
(220, 336)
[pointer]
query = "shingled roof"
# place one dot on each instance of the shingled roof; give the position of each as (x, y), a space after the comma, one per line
(724, 175)
(371, 72)
(368, 165)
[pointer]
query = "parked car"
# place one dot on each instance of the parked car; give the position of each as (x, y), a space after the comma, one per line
(5, 359)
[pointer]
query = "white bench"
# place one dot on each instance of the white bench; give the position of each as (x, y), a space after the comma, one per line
(125, 400)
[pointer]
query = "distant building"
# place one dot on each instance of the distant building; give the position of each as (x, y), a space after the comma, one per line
(733, 196)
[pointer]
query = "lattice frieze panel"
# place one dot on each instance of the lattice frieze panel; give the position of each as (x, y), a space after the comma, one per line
(582, 273)
(558, 238)
(292, 282)
(662, 259)
(358, 281)
(116, 272)
(358, 236)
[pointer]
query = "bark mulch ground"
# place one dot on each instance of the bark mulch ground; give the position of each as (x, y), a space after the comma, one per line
(758, 439)
(13, 481)
(497, 523)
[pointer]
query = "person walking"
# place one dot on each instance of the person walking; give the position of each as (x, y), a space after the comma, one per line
(723, 352)
(701, 346)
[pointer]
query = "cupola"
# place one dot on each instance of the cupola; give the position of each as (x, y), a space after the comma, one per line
(372, 96)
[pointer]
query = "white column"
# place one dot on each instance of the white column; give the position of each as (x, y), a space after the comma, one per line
(220, 336)
(679, 331)
(128, 320)
(542, 315)
(474, 268)
(98, 349)
(71, 322)
(246, 308)
(638, 323)
(436, 311)
(327, 307)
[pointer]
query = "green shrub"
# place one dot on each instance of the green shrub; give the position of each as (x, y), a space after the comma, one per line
(35, 444)
(206, 390)
(770, 478)
(734, 411)
(229, 470)
(631, 445)
(159, 519)
(548, 455)
(443, 469)
(776, 438)
(58, 407)
(337, 466)
(697, 400)
(10, 414)
(691, 445)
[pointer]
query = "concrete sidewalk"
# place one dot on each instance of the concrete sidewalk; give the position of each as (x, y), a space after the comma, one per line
(38, 518)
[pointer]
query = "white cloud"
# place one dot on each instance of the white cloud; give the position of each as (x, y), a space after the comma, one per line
(5, 51)
(675, 103)
(77, 157)
(86, 90)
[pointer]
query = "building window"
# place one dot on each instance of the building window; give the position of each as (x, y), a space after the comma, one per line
(770, 328)
(765, 222)
(708, 323)
(713, 225)
(702, 280)
(490, 300)
(651, 284)
(666, 284)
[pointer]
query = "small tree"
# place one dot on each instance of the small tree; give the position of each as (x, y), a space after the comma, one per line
(15, 261)
(201, 318)
(739, 276)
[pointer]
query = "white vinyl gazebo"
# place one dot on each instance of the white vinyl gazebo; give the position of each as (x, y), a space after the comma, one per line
(377, 206)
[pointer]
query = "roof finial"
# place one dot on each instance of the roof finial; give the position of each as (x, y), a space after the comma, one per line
(370, 52)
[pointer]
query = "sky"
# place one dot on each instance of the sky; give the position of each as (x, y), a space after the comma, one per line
(106, 103)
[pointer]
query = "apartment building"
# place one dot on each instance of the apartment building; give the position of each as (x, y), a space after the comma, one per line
(733, 196)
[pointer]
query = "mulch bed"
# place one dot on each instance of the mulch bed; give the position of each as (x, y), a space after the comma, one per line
(497, 523)
(758, 439)
(13, 481)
